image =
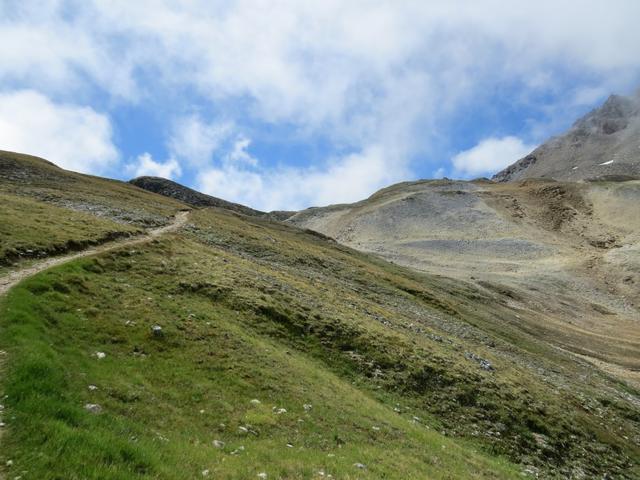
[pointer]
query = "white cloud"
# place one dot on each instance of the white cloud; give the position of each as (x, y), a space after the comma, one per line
(490, 155)
(73, 137)
(195, 141)
(145, 165)
(239, 153)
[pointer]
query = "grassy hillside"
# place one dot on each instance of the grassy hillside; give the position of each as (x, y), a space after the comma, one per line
(354, 362)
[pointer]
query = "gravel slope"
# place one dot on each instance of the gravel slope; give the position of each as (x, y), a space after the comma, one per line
(565, 255)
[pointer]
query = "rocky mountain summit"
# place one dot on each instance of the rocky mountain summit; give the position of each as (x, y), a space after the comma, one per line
(604, 144)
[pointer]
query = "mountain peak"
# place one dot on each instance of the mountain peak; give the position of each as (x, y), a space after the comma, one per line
(603, 143)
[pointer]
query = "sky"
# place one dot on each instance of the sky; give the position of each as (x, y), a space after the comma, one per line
(286, 104)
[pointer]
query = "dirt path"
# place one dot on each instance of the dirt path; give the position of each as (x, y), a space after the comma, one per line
(14, 277)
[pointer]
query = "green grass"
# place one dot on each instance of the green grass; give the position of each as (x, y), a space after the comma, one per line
(252, 309)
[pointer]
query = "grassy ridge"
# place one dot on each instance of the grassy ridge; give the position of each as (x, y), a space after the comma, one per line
(255, 310)
(35, 178)
(31, 229)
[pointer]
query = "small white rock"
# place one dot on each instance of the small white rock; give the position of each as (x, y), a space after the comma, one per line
(307, 407)
(218, 444)
(9, 463)
(255, 401)
(92, 388)
(100, 355)
(205, 473)
(360, 465)
(280, 411)
(243, 430)
(262, 475)
(93, 407)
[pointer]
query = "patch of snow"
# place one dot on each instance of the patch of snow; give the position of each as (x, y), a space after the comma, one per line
(607, 163)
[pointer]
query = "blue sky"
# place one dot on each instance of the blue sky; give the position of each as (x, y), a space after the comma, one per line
(288, 104)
